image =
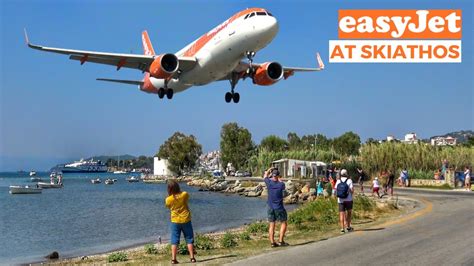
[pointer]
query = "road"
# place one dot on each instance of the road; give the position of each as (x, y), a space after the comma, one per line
(440, 232)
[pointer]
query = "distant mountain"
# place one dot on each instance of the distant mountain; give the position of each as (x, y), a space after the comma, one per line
(104, 158)
(461, 135)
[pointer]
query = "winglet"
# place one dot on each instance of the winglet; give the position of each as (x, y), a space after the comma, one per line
(320, 62)
(26, 37)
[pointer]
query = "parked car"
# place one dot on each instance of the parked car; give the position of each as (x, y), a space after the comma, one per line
(243, 174)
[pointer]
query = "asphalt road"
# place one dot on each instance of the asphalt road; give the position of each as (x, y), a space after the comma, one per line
(439, 232)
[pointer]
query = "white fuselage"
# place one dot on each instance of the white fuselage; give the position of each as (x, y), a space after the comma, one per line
(221, 54)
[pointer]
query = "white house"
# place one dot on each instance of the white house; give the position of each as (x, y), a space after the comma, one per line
(411, 138)
(160, 167)
(443, 141)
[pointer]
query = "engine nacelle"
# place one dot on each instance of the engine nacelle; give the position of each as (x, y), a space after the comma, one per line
(268, 74)
(164, 66)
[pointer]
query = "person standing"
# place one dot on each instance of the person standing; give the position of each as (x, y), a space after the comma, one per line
(362, 178)
(376, 187)
(276, 211)
(390, 183)
(177, 202)
(344, 190)
(467, 178)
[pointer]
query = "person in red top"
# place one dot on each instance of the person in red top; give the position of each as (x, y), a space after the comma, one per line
(332, 180)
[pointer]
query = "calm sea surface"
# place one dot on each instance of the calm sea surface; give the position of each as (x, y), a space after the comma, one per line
(84, 218)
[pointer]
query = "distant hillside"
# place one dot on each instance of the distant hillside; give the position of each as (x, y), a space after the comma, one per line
(104, 158)
(462, 135)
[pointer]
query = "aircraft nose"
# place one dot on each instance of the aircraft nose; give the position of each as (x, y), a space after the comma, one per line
(271, 26)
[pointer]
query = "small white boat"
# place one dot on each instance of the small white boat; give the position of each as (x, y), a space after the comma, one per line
(25, 190)
(109, 181)
(49, 185)
(133, 179)
(32, 173)
(35, 179)
(120, 172)
(96, 181)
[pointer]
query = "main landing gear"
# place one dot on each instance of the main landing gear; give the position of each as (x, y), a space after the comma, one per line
(234, 79)
(165, 91)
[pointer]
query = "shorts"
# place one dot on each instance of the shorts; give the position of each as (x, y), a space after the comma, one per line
(277, 215)
(467, 181)
(186, 228)
(345, 206)
(375, 190)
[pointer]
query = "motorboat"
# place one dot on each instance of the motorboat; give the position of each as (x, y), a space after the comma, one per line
(25, 190)
(119, 172)
(35, 179)
(133, 179)
(96, 181)
(32, 173)
(109, 181)
(49, 185)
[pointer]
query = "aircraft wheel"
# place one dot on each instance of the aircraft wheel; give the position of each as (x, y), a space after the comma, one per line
(228, 97)
(236, 97)
(161, 93)
(169, 94)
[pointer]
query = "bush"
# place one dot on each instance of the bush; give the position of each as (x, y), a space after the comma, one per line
(203, 242)
(256, 228)
(228, 240)
(183, 249)
(317, 214)
(118, 256)
(166, 250)
(245, 236)
(151, 249)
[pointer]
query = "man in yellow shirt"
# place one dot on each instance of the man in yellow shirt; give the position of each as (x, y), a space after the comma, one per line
(177, 202)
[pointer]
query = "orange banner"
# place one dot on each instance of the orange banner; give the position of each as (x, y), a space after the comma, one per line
(400, 24)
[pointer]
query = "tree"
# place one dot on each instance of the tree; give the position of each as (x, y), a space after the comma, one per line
(469, 142)
(371, 141)
(321, 142)
(294, 142)
(347, 144)
(181, 151)
(274, 143)
(236, 145)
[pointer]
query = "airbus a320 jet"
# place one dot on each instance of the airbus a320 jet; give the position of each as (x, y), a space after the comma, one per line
(216, 55)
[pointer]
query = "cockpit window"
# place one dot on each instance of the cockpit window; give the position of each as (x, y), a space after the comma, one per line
(261, 14)
(251, 15)
(246, 16)
(270, 14)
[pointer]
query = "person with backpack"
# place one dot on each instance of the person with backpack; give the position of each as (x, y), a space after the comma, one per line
(344, 191)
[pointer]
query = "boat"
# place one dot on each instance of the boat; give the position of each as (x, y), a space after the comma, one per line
(96, 181)
(83, 166)
(133, 179)
(109, 181)
(25, 190)
(35, 179)
(49, 185)
(32, 173)
(120, 172)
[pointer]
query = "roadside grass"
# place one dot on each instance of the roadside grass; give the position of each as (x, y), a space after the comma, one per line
(311, 222)
(442, 187)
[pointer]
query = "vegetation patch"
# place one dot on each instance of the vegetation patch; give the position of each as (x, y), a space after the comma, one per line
(228, 240)
(258, 228)
(203, 242)
(151, 249)
(117, 256)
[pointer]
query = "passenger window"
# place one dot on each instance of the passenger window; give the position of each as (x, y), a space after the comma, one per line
(261, 14)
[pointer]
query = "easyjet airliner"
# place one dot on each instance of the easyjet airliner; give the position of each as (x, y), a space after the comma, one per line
(217, 55)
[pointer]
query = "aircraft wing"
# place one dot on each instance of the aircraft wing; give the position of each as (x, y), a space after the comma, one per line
(134, 61)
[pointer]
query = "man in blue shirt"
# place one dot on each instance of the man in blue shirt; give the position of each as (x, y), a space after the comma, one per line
(276, 210)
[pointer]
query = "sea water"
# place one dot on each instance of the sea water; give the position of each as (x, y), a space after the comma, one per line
(84, 218)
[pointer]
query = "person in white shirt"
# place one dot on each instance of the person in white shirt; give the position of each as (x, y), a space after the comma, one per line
(376, 187)
(344, 191)
(467, 178)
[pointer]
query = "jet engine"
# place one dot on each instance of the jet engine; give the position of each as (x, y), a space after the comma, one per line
(268, 74)
(164, 66)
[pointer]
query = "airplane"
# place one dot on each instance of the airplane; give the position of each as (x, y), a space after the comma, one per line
(215, 56)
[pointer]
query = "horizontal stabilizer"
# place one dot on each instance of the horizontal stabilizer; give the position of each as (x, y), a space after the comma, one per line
(131, 82)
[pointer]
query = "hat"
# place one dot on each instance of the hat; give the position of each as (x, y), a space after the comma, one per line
(275, 172)
(343, 172)
(376, 178)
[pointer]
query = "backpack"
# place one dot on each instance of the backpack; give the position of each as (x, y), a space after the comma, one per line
(342, 190)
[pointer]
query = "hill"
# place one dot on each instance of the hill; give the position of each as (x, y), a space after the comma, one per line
(461, 135)
(104, 158)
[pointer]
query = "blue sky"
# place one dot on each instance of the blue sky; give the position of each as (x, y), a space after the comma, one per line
(52, 109)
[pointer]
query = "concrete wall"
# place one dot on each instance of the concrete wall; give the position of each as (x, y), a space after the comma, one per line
(160, 167)
(427, 182)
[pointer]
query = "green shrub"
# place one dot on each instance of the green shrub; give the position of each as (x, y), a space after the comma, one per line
(228, 240)
(203, 242)
(151, 249)
(315, 215)
(183, 249)
(245, 236)
(117, 256)
(166, 250)
(256, 228)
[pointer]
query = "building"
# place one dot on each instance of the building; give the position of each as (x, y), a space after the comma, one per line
(410, 138)
(160, 167)
(291, 168)
(390, 138)
(444, 141)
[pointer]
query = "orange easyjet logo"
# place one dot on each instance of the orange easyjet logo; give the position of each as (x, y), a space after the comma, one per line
(400, 24)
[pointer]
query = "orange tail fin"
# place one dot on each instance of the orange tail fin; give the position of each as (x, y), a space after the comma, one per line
(147, 46)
